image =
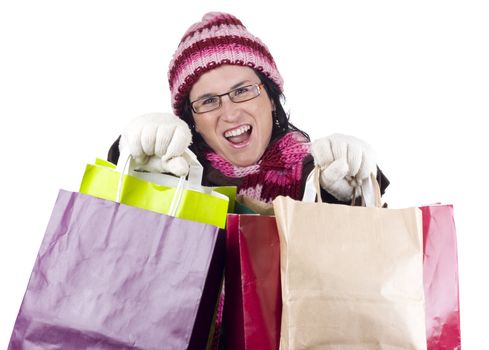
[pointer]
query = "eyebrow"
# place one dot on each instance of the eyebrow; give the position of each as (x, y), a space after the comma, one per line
(235, 86)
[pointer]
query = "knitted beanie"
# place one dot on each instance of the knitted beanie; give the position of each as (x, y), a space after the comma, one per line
(218, 39)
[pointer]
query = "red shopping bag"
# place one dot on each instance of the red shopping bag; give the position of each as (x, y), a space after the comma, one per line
(441, 278)
(253, 303)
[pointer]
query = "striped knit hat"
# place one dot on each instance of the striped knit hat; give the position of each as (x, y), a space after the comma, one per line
(218, 39)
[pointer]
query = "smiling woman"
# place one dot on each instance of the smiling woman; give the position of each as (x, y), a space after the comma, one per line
(409, 77)
(227, 95)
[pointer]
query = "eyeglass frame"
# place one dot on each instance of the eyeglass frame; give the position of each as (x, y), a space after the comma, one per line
(259, 87)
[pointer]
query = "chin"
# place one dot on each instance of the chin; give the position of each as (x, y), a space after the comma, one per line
(244, 161)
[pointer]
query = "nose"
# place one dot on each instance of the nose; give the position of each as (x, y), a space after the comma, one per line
(229, 109)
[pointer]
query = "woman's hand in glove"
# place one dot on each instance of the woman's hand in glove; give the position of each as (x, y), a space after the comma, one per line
(345, 163)
(157, 142)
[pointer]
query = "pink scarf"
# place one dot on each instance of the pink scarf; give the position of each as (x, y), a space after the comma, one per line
(279, 171)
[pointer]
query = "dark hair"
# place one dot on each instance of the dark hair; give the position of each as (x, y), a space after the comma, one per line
(281, 124)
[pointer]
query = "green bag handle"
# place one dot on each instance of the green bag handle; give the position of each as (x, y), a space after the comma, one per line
(127, 166)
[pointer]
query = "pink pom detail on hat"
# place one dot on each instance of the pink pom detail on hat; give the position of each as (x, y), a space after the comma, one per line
(219, 39)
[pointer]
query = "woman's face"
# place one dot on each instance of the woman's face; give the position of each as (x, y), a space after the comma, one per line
(239, 132)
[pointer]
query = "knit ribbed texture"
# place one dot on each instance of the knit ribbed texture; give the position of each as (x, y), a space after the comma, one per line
(279, 172)
(219, 39)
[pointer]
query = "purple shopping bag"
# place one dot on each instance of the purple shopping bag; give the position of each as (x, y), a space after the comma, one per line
(111, 276)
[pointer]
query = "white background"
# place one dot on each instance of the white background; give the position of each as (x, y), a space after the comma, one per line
(411, 78)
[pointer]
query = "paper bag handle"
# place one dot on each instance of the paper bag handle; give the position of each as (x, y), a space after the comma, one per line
(126, 165)
(369, 191)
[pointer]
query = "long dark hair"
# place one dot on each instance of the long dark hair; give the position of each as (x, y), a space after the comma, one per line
(281, 124)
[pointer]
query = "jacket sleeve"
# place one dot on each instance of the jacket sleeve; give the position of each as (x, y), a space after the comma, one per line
(113, 155)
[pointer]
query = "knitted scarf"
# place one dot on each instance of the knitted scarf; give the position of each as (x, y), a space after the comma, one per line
(278, 172)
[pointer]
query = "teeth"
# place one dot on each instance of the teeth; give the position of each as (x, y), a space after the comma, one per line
(238, 131)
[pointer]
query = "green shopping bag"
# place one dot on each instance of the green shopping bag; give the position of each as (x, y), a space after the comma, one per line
(156, 192)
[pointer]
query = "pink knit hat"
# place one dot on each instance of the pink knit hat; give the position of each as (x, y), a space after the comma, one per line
(218, 39)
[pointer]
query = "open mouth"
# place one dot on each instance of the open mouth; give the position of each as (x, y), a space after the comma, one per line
(240, 135)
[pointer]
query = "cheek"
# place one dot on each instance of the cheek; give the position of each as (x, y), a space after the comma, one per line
(266, 116)
(204, 127)
(269, 126)
(199, 124)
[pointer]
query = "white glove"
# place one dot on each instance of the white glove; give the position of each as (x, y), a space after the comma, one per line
(157, 142)
(345, 163)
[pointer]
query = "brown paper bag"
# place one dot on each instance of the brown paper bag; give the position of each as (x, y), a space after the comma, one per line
(352, 277)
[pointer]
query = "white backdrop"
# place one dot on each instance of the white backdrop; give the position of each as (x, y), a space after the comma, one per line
(411, 78)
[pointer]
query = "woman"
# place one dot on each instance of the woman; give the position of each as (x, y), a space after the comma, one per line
(226, 95)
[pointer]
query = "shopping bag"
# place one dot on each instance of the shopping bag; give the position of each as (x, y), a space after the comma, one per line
(441, 278)
(155, 191)
(352, 277)
(112, 276)
(252, 307)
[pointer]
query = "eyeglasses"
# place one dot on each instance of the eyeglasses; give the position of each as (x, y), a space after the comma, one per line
(213, 102)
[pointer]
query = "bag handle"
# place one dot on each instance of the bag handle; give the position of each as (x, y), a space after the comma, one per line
(126, 166)
(369, 191)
